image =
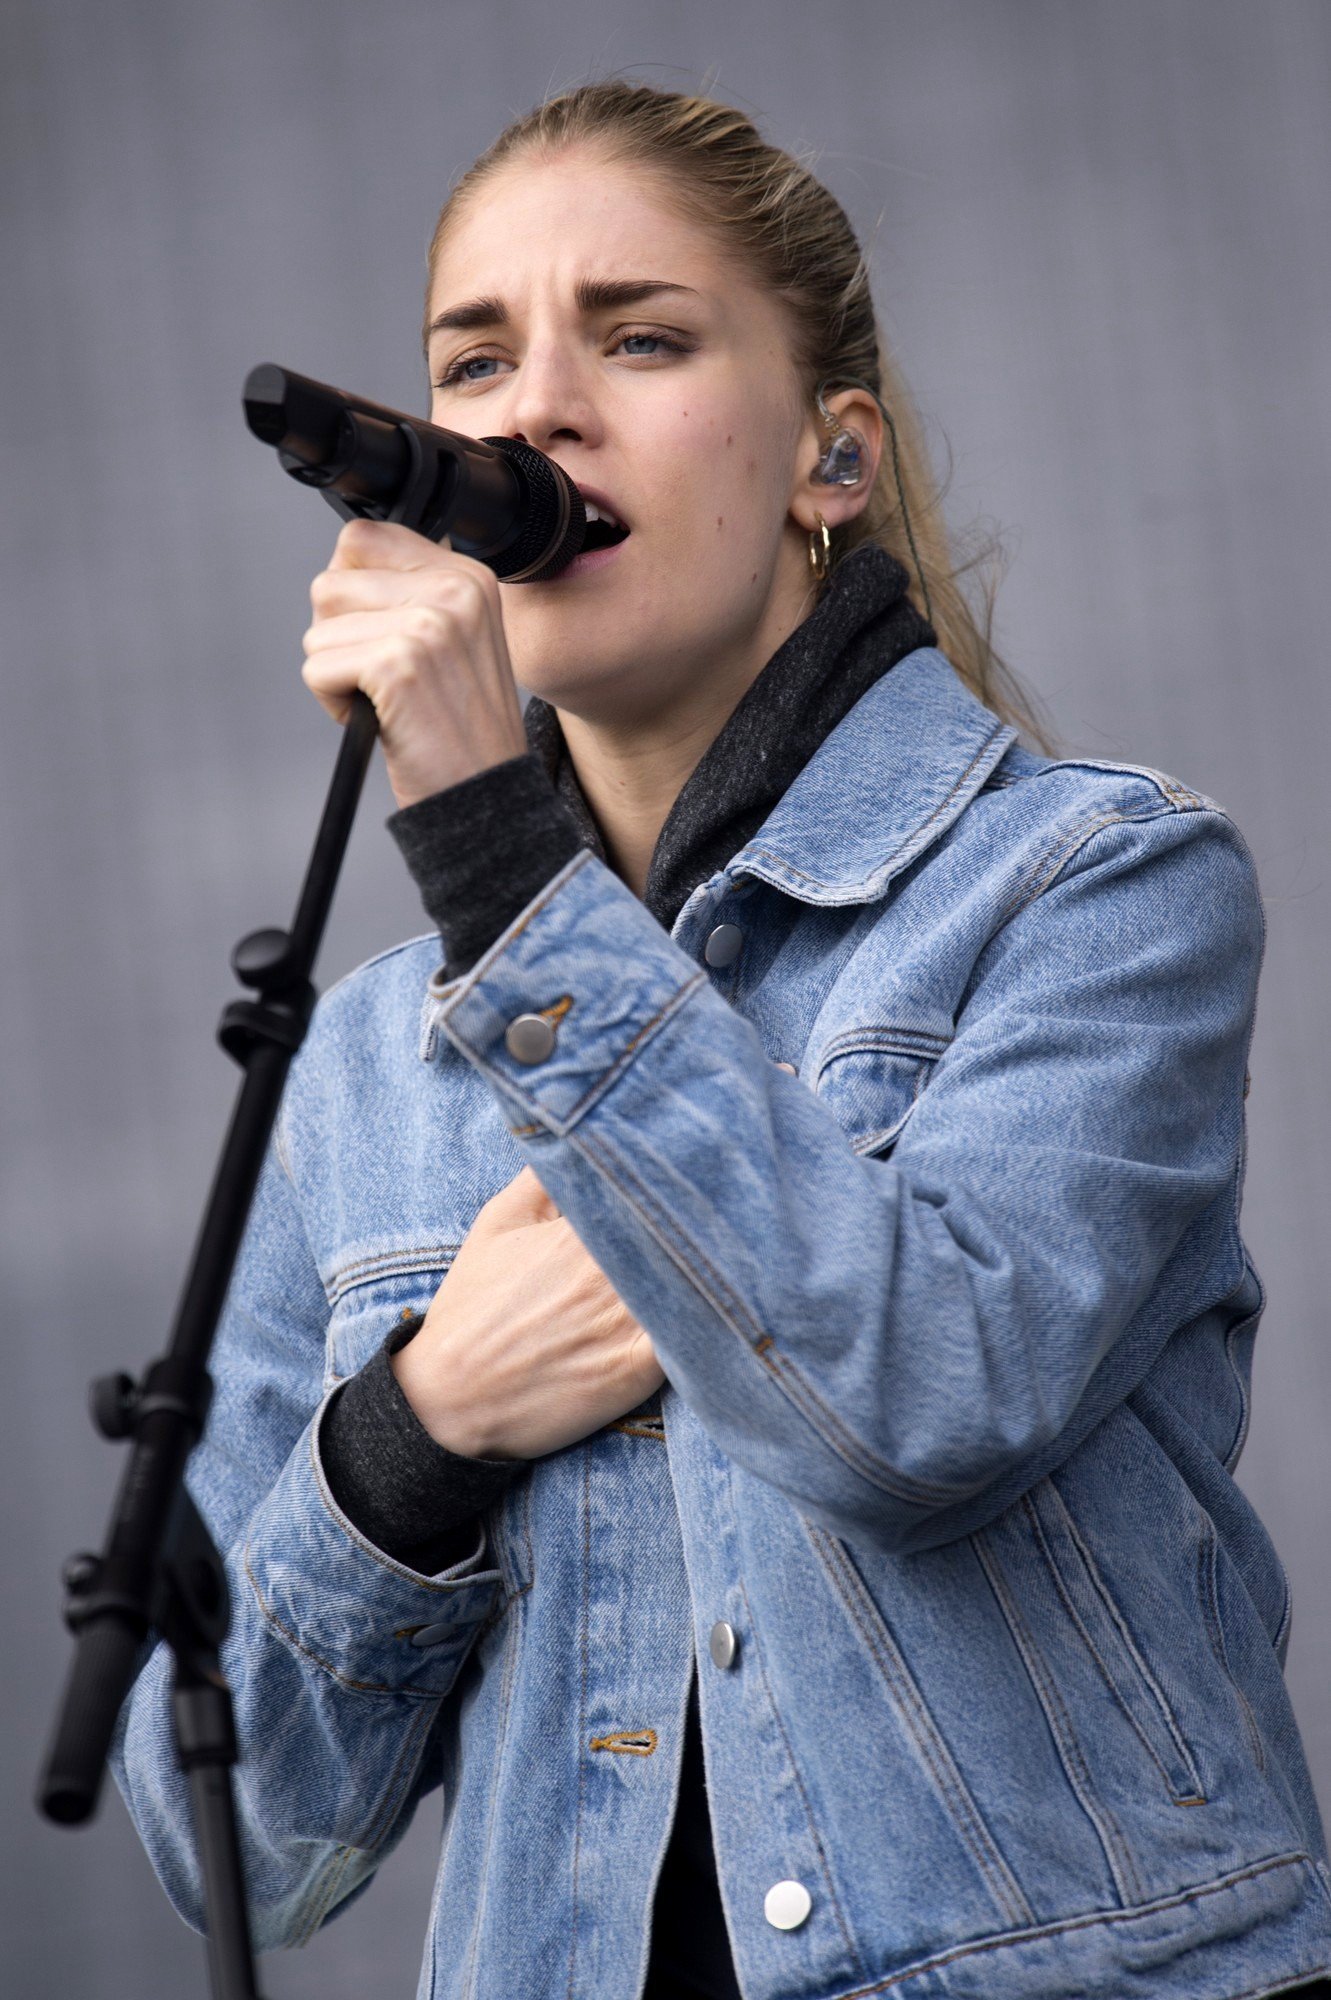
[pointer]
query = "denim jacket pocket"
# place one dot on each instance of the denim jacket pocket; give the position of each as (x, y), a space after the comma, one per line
(370, 1296)
(872, 1078)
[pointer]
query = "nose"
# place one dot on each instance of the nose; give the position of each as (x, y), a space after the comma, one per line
(552, 401)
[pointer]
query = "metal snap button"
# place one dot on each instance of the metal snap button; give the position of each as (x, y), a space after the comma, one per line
(723, 1644)
(724, 945)
(431, 1635)
(786, 1905)
(529, 1039)
(789, 1068)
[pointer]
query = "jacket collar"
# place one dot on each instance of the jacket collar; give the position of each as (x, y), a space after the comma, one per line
(855, 747)
(890, 780)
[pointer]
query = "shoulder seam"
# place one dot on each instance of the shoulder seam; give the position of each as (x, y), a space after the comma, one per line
(1179, 795)
(1052, 863)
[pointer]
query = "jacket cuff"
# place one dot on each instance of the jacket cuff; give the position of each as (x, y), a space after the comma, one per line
(344, 1605)
(414, 1500)
(599, 971)
(480, 850)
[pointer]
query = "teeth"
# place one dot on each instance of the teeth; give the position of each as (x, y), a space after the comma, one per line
(595, 513)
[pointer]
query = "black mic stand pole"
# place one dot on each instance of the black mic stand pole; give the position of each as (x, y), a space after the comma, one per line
(160, 1569)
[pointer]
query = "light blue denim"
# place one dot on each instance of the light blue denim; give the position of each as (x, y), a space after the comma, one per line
(958, 1327)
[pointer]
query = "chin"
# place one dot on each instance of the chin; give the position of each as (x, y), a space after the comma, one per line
(571, 659)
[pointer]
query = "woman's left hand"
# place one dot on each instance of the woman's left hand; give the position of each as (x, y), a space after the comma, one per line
(420, 631)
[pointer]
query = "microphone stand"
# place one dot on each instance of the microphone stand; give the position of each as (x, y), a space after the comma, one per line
(517, 512)
(159, 1569)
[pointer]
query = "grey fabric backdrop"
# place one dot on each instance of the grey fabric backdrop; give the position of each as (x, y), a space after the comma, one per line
(1100, 235)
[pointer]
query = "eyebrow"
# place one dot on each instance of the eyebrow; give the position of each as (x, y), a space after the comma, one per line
(592, 295)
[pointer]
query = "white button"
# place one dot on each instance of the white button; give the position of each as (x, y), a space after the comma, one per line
(789, 1068)
(724, 945)
(786, 1905)
(722, 1644)
(529, 1039)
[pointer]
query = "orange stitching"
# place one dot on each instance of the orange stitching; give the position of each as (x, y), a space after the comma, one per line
(687, 1255)
(627, 1742)
(608, 1077)
(388, 1264)
(557, 1009)
(641, 1430)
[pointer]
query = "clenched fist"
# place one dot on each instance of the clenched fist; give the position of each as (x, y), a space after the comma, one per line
(526, 1346)
(420, 631)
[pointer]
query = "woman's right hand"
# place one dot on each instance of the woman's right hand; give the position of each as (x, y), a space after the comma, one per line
(526, 1346)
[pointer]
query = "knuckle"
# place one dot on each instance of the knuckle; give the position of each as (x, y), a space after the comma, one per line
(358, 536)
(399, 662)
(463, 586)
(444, 591)
(415, 658)
(426, 623)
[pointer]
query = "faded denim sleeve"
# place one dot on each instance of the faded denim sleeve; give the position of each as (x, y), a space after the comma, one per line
(903, 1343)
(334, 1702)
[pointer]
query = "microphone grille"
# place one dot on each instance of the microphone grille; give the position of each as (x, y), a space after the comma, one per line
(554, 518)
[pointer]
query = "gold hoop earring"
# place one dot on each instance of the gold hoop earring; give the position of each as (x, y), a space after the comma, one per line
(820, 548)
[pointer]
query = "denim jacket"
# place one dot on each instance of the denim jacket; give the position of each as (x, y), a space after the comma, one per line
(924, 1177)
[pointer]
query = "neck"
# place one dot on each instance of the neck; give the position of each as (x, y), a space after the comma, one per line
(630, 778)
(632, 768)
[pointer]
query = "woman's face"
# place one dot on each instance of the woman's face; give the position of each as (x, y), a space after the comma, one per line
(571, 308)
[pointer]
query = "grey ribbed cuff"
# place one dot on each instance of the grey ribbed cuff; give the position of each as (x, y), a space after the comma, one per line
(481, 850)
(409, 1496)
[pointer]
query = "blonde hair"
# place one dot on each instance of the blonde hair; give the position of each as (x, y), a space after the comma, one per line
(795, 238)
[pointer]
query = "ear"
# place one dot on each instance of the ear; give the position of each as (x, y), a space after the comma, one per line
(857, 411)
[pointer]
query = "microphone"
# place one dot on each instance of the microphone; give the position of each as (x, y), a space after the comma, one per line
(502, 502)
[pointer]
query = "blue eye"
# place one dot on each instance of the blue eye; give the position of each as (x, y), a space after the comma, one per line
(664, 341)
(460, 371)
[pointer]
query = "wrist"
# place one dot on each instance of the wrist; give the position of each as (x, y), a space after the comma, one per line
(412, 780)
(452, 1427)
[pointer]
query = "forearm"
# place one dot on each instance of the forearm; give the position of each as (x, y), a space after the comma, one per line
(898, 1343)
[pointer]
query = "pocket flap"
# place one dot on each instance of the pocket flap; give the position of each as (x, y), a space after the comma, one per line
(367, 1307)
(871, 1079)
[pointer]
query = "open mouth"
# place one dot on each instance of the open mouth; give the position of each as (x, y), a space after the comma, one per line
(603, 530)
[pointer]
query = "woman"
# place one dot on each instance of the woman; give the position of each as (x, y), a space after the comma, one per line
(798, 1536)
